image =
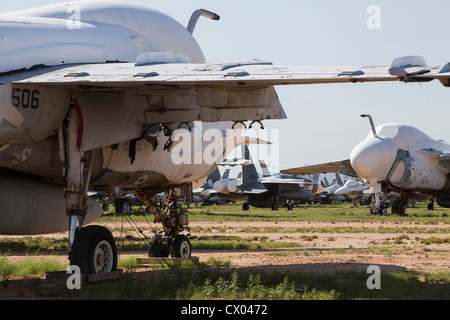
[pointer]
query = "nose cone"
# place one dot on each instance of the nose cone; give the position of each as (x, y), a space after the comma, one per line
(341, 191)
(373, 158)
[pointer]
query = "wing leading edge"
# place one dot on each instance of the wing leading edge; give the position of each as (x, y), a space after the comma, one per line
(343, 167)
(255, 73)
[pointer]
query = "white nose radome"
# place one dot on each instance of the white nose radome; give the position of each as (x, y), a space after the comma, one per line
(373, 158)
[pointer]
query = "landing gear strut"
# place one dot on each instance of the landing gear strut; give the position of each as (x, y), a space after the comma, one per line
(431, 203)
(378, 204)
(173, 238)
(399, 205)
(91, 248)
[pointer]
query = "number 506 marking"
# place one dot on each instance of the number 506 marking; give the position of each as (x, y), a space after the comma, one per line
(25, 98)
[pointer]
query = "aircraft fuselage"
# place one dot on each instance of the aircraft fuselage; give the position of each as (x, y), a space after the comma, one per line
(405, 158)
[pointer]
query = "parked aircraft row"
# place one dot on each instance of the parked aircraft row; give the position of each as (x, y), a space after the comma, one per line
(266, 191)
(103, 106)
(273, 190)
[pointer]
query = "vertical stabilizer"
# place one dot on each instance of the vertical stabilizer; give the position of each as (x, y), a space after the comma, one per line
(264, 169)
(226, 174)
(339, 180)
(213, 177)
(249, 173)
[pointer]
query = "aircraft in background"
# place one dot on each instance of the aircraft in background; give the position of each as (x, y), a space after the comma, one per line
(399, 161)
(127, 99)
(266, 190)
(328, 194)
(353, 190)
(272, 190)
(206, 195)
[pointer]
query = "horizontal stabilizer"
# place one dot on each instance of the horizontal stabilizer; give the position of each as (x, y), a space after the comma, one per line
(254, 189)
(235, 162)
(251, 140)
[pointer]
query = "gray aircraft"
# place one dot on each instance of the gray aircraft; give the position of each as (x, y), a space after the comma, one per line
(269, 191)
(206, 195)
(328, 195)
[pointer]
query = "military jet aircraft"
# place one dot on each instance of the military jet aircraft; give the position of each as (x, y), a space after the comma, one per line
(354, 190)
(268, 191)
(124, 97)
(328, 194)
(398, 160)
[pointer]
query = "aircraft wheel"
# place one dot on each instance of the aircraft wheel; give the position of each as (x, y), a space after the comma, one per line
(394, 207)
(94, 250)
(245, 206)
(382, 211)
(157, 247)
(122, 206)
(274, 206)
(180, 247)
(126, 207)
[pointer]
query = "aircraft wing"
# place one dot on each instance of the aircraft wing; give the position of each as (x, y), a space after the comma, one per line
(343, 167)
(254, 189)
(153, 70)
(163, 88)
(257, 73)
(442, 158)
(276, 180)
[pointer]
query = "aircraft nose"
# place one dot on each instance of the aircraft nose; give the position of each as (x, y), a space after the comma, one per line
(341, 191)
(373, 158)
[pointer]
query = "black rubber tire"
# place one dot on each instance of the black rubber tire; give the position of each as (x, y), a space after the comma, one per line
(122, 206)
(155, 249)
(180, 247)
(84, 248)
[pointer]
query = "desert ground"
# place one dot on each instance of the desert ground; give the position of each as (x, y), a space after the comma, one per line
(330, 247)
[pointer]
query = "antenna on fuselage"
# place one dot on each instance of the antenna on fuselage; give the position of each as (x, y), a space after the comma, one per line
(197, 14)
(371, 123)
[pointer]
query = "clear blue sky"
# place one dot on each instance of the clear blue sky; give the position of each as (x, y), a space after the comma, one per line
(324, 121)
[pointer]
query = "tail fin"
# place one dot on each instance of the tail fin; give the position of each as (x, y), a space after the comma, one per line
(213, 177)
(226, 174)
(249, 173)
(264, 169)
(339, 180)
